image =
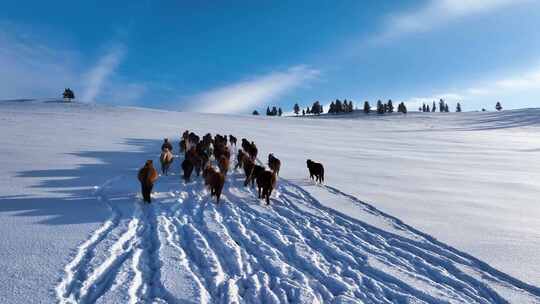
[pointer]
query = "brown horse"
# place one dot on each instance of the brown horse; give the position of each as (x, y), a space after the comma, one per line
(266, 182)
(252, 151)
(221, 149)
(315, 170)
(166, 159)
(214, 180)
(240, 157)
(183, 146)
(195, 159)
(232, 140)
(166, 145)
(223, 164)
(252, 171)
(274, 163)
(187, 166)
(147, 176)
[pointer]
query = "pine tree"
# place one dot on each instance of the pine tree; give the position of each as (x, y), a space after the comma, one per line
(296, 109)
(380, 107)
(441, 105)
(308, 111)
(268, 113)
(423, 107)
(303, 112)
(446, 108)
(255, 112)
(316, 108)
(332, 108)
(400, 107)
(434, 107)
(390, 106)
(280, 112)
(68, 94)
(274, 111)
(427, 108)
(403, 108)
(367, 107)
(458, 107)
(351, 106)
(339, 106)
(498, 106)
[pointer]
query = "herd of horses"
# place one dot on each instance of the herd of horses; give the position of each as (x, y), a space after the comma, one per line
(198, 154)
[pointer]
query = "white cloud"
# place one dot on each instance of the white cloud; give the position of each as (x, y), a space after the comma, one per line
(120, 93)
(436, 13)
(31, 68)
(95, 79)
(245, 95)
(520, 90)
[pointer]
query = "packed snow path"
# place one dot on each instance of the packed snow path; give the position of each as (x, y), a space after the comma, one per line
(183, 248)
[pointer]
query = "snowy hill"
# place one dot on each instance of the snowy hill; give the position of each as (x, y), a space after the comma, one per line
(74, 229)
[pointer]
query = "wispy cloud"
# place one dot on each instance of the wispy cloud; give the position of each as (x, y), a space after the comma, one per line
(436, 13)
(245, 95)
(35, 68)
(97, 76)
(31, 68)
(520, 89)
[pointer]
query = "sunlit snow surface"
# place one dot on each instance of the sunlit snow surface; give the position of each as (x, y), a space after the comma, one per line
(74, 229)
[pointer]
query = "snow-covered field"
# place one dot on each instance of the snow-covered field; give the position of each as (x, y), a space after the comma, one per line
(74, 230)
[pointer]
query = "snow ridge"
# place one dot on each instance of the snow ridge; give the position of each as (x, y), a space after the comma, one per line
(185, 248)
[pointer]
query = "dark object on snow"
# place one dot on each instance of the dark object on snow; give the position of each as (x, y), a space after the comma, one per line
(68, 94)
(250, 149)
(266, 182)
(232, 140)
(223, 164)
(315, 170)
(166, 145)
(274, 163)
(498, 106)
(166, 158)
(214, 180)
(240, 157)
(220, 149)
(252, 171)
(187, 166)
(183, 145)
(253, 151)
(195, 159)
(147, 176)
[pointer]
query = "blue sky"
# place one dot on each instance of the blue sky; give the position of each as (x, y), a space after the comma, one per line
(213, 56)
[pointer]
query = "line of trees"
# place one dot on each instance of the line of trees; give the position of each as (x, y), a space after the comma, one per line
(387, 107)
(315, 109)
(443, 107)
(274, 112)
(347, 106)
(341, 107)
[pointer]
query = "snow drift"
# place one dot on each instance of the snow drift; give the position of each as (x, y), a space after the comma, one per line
(75, 230)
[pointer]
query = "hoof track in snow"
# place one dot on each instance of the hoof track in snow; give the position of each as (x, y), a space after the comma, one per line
(183, 248)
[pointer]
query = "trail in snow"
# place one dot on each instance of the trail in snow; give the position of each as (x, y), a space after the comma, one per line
(183, 248)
